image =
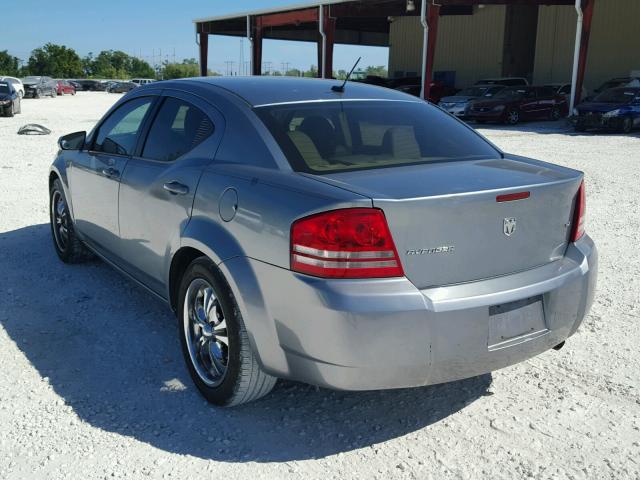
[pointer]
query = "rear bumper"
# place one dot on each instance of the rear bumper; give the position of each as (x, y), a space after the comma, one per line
(385, 333)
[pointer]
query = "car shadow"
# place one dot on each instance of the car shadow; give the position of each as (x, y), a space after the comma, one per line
(111, 352)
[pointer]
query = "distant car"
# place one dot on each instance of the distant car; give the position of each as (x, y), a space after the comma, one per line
(360, 239)
(9, 99)
(142, 81)
(459, 103)
(506, 81)
(88, 85)
(36, 87)
(63, 87)
(121, 87)
(614, 109)
(413, 86)
(617, 82)
(77, 85)
(17, 84)
(564, 89)
(513, 104)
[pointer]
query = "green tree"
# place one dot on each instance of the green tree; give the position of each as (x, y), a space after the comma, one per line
(56, 61)
(312, 72)
(180, 70)
(294, 72)
(380, 71)
(141, 69)
(8, 64)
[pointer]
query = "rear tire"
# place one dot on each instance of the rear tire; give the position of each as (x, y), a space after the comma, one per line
(555, 114)
(214, 340)
(9, 111)
(68, 246)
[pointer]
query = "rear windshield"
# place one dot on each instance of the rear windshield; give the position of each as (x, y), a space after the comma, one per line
(327, 137)
(4, 88)
(617, 95)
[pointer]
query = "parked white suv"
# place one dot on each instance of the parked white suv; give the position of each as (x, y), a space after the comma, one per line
(142, 81)
(17, 84)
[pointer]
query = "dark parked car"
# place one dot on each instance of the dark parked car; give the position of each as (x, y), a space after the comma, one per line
(77, 85)
(89, 85)
(37, 87)
(504, 81)
(121, 87)
(614, 109)
(459, 103)
(514, 104)
(9, 99)
(63, 87)
(617, 82)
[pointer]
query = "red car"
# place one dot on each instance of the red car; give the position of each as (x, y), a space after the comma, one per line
(514, 104)
(63, 88)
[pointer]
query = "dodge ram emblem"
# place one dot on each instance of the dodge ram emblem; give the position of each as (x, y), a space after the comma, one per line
(509, 226)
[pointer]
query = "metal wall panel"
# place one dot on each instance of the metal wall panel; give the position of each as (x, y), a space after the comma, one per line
(470, 45)
(614, 45)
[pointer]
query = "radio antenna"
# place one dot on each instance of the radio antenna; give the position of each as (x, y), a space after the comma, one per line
(340, 88)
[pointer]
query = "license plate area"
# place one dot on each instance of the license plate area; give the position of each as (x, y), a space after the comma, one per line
(516, 322)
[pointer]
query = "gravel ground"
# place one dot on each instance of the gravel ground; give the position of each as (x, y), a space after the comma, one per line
(92, 383)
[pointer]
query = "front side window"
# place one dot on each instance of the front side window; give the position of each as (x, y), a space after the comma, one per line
(178, 128)
(343, 136)
(119, 133)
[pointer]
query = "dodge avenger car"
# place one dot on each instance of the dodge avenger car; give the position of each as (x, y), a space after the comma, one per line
(354, 238)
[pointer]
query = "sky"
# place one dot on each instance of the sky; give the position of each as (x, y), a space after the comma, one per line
(148, 28)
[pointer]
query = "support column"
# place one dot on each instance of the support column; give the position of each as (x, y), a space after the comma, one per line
(330, 32)
(587, 12)
(204, 52)
(256, 60)
(433, 15)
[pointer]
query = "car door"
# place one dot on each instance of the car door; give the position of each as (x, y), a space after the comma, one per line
(546, 101)
(529, 104)
(159, 183)
(94, 174)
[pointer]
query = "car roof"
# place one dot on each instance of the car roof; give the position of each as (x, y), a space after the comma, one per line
(257, 91)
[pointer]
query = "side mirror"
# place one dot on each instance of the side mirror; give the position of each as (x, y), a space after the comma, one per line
(72, 141)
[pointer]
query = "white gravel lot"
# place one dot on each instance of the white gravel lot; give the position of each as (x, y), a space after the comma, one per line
(92, 382)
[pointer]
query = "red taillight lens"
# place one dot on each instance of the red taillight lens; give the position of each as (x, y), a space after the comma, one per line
(579, 214)
(347, 243)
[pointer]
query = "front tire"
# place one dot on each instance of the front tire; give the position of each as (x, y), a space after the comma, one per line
(555, 114)
(627, 125)
(215, 343)
(68, 246)
(513, 117)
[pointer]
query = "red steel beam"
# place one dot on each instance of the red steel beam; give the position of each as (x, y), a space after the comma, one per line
(587, 16)
(433, 14)
(204, 53)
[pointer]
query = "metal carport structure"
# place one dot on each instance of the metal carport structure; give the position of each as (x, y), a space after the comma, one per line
(366, 22)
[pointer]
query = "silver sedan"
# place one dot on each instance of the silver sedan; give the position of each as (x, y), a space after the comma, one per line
(356, 239)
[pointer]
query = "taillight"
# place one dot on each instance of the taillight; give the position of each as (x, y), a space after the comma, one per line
(346, 243)
(579, 214)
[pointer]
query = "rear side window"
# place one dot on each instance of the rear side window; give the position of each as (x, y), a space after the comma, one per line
(178, 128)
(546, 92)
(119, 133)
(330, 137)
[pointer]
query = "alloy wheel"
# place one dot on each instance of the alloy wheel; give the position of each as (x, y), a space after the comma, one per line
(60, 220)
(513, 117)
(206, 334)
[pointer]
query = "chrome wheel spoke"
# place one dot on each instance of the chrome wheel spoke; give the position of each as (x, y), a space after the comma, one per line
(206, 332)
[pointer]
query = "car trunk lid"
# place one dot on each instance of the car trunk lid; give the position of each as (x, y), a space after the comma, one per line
(448, 226)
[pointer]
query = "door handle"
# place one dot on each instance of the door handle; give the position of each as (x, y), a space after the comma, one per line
(110, 172)
(176, 188)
